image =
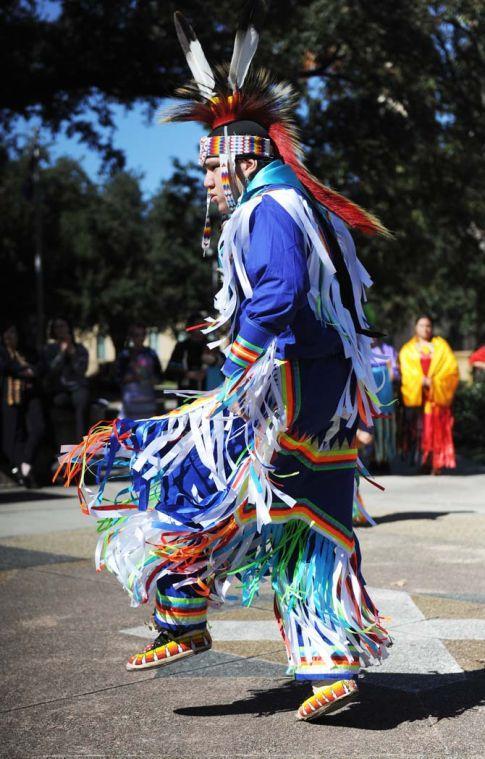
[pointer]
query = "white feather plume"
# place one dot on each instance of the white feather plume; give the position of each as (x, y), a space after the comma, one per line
(245, 46)
(196, 60)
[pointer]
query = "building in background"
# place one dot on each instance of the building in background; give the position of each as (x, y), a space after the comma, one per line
(102, 351)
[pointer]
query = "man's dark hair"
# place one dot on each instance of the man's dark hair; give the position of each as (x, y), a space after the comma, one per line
(260, 162)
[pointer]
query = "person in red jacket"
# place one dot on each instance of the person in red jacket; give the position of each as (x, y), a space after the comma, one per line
(477, 363)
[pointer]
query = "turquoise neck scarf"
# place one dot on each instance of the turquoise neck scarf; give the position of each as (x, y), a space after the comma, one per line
(274, 173)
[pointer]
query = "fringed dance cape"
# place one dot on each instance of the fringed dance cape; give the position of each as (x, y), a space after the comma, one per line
(234, 431)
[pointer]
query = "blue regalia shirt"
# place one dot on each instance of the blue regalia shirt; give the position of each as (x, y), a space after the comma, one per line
(276, 265)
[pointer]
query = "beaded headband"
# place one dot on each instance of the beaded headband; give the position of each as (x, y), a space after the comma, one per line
(234, 145)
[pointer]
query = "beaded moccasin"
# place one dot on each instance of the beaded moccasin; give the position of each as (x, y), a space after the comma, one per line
(328, 699)
(166, 649)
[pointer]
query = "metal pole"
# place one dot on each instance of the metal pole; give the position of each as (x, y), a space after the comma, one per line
(38, 261)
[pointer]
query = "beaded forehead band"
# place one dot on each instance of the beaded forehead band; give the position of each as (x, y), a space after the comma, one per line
(234, 145)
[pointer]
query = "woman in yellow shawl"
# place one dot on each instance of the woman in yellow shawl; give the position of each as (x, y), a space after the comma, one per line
(429, 378)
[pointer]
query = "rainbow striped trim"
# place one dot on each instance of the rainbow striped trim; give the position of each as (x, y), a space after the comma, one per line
(314, 458)
(234, 144)
(243, 353)
(291, 390)
(317, 662)
(316, 667)
(180, 612)
(339, 660)
(305, 511)
(321, 671)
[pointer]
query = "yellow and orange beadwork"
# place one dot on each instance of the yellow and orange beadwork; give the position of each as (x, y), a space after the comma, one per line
(328, 699)
(178, 648)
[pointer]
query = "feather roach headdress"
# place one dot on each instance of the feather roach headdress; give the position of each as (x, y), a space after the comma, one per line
(248, 113)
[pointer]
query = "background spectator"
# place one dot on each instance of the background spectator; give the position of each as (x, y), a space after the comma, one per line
(65, 363)
(138, 370)
(429, 372)
(386, 374)
(22, 415)
(185, 366)
(477, 362)
(212, 361)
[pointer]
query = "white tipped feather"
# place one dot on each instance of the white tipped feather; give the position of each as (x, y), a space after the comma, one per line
(246, 42)
(196, 60)
(245, 46)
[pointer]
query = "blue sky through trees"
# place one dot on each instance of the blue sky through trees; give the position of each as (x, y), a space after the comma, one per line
(149, 147)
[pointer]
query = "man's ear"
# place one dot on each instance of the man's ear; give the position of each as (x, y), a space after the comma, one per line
(248, 166)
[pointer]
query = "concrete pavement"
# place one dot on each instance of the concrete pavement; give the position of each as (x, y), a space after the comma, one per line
(66, 633)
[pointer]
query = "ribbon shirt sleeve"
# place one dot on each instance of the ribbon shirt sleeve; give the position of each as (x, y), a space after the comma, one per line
(276, 266)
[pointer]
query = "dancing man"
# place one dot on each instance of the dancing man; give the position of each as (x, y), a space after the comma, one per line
(255, 478)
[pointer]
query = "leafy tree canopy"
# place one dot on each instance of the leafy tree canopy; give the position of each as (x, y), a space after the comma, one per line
(392, 114)
(110, 257)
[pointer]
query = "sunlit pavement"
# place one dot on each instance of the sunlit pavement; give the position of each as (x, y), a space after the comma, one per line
(66, 633)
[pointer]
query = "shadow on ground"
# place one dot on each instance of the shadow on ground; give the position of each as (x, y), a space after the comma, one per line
(21, 558)
(404, 516)
(464, 467)
(24, 496)
(378, 707)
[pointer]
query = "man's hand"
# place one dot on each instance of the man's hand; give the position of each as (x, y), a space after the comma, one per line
(67, 346)
(364, 437)
(237, 411)
(427, 382)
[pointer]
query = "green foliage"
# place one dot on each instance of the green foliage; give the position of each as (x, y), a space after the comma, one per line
(469, 411)
(392, 115)
(175, 220)
(110, 257)
(397, 120)
(16, 231)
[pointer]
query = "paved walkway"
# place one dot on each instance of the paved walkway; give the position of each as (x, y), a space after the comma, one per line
(66, 633)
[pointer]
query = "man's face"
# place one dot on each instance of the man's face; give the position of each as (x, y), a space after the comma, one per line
(213, 184)
(245, 168)
(138, 335)
(424, 329)
(61, 330)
